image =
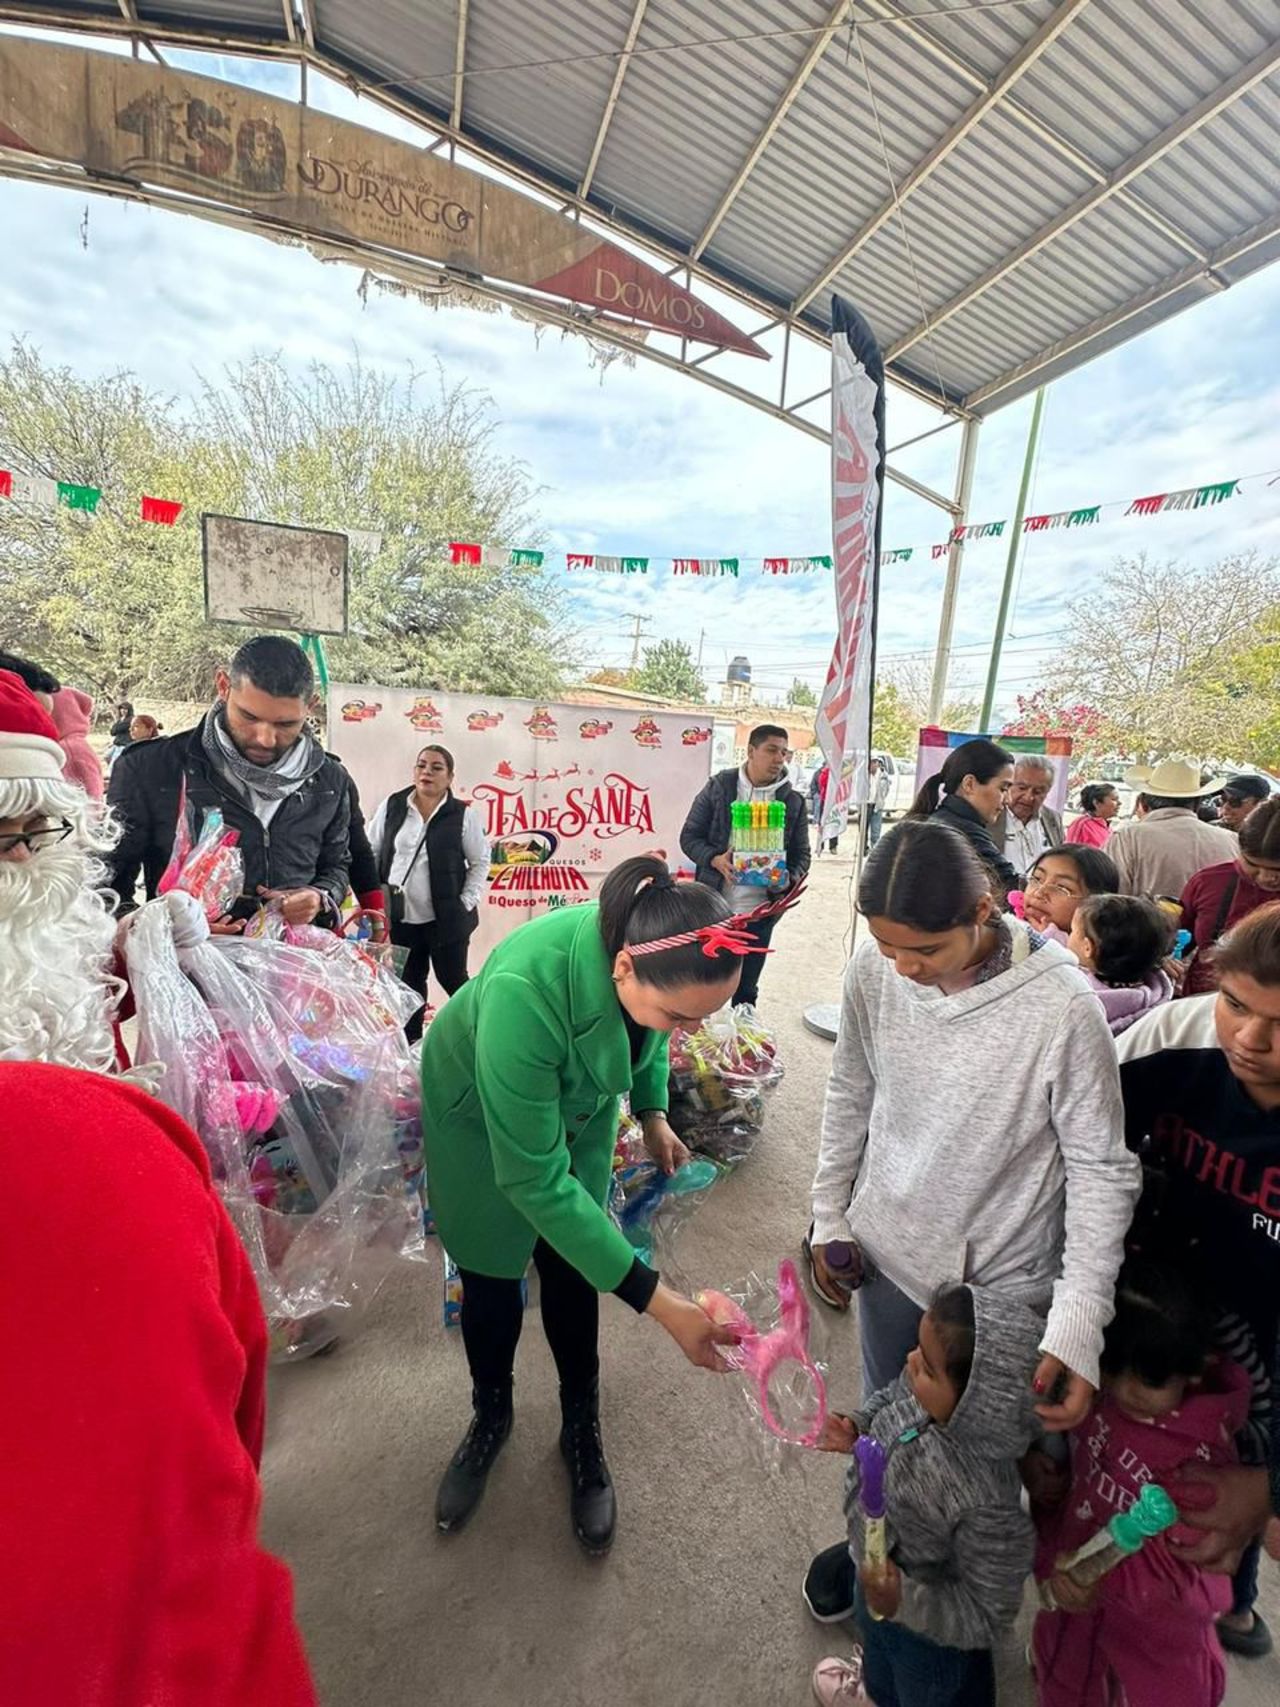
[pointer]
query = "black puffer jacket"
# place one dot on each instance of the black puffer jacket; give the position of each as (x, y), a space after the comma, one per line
(974, 827)
(707, 829)
(305, 848)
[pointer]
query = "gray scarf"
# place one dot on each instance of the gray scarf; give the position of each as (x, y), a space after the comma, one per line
(270, 782)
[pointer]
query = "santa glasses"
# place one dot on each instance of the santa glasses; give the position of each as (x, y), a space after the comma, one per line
(35, 840)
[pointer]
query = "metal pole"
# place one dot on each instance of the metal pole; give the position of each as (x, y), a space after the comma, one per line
(1011, 561)
(947, 621)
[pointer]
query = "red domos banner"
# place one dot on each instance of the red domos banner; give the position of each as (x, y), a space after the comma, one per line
(565, 792)
(226, 144)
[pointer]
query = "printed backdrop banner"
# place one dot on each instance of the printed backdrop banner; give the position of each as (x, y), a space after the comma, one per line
(933, 745)
(229, 144)
(566, 792)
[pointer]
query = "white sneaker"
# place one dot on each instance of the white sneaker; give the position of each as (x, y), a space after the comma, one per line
(838, 1683)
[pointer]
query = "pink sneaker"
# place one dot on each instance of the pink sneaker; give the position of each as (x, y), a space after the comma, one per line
(838, 1683)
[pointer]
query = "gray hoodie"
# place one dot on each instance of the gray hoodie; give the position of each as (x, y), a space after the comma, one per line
(954, 1520)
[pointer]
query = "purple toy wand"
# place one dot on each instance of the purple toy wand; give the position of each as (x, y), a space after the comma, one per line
(871, 1463)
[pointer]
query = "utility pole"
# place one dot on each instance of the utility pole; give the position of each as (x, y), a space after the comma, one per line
(702, 635)
(638, 636)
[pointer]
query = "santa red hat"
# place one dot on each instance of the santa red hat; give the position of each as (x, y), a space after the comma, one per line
(28, 740)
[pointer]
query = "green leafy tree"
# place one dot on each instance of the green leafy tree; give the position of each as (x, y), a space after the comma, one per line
(894, 723)
(115, 604)
(668, 669)
(801, 694)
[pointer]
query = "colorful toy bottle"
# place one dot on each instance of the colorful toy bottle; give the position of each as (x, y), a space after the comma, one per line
(872, 1458)
(1119, 1540)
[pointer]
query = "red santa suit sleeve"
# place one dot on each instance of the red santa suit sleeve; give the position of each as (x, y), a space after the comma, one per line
(134, 1352)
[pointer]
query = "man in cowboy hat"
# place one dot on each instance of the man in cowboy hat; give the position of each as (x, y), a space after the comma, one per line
(1160, 853)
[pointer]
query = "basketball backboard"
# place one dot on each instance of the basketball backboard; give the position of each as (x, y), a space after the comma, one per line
(268, 575)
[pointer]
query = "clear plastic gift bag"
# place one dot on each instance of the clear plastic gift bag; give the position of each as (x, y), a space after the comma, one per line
(292, 1066)
(720, 1076)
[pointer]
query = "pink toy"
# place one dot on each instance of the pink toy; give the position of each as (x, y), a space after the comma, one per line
(759, 1355)
(1017, 903)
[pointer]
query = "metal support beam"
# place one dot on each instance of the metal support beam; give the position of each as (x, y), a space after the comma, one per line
(947, 620)
(1011, 108)
(1193, 273)
(459, 65)
(307, 12)
(1011, 563)
(1258, 68)
(817, 47)
(946, 144)
(619, 73)
(290, 22)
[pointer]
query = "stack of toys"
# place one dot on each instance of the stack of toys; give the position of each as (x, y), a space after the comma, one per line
(758, 844)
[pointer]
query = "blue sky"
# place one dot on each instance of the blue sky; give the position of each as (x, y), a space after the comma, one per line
(642, 461)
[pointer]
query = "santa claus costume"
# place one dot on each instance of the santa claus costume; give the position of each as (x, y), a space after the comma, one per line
(134, 1349)
(57, 993)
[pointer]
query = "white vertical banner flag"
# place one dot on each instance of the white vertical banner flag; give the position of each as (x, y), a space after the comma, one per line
(857, 479)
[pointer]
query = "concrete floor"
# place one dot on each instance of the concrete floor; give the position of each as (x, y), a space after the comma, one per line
(699, 1602)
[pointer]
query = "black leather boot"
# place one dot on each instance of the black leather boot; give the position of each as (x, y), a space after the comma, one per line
(462, 1485)
(592, 1505)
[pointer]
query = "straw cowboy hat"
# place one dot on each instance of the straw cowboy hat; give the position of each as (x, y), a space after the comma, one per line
(1178, 779)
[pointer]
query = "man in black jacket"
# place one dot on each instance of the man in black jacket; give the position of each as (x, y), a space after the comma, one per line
(252, 758)
(707, 835)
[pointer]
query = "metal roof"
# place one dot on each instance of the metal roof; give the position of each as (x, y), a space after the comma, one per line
(1005, 187)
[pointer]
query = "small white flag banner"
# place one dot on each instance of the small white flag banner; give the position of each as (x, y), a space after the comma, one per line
(365, 539)
(609, 565)
(35, 489)
(496, 556)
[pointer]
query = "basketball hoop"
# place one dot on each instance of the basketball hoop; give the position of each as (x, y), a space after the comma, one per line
(268, 618)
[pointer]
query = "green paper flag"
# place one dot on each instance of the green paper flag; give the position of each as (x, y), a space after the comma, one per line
(635, 565)
(526, 559)
(1216, 493)
(1079, 518)
(78, 497)
(728, 565)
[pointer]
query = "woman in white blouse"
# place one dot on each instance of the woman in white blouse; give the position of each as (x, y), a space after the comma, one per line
(432, 847)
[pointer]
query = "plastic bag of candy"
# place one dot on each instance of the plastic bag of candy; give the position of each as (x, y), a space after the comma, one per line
(781, 1382)
(720, 1075)
(298, 1079)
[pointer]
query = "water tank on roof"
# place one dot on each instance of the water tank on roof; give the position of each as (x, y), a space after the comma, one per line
(739, 670)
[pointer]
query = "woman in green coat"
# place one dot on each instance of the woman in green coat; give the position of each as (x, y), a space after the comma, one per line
(521, 1076)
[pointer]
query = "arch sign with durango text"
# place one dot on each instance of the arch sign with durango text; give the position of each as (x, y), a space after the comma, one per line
(231, 146)
(565, 792)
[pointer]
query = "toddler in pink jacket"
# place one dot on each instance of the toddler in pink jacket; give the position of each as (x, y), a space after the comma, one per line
(1146, 1634)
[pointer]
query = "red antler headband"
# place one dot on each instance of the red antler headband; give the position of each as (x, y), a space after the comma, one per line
(727, 936)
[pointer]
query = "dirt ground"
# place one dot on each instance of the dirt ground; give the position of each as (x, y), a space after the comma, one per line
(698, 1605)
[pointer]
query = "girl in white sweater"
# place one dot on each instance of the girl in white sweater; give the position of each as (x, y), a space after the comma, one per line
(973, 1128)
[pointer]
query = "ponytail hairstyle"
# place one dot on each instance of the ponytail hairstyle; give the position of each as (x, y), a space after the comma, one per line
(640, 902)
(1161, 1329)
(1252, 948)
(980, 758)
(926, 875)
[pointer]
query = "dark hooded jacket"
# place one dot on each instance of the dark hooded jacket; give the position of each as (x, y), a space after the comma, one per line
(954, 1521)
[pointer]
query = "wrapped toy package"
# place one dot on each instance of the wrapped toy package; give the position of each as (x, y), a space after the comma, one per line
(783, 1384)
(720, 1076)
(290, 1063)
(758, 844)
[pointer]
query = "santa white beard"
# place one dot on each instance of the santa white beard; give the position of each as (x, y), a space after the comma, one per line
(56, 937)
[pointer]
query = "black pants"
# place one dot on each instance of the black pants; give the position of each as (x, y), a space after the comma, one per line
(492, 1316)
(753, 964)
(448, 960)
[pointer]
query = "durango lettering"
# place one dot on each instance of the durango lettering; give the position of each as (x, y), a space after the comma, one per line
(647, 300)
(359, 183)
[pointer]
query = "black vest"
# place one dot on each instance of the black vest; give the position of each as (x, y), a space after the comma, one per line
(446, 867)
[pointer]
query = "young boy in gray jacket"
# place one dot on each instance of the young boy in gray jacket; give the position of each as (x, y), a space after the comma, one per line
(960, 1547)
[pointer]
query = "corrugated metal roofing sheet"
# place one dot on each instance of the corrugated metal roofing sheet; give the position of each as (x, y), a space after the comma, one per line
(707, 75)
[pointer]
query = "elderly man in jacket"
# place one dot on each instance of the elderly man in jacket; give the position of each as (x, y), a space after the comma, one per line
(254, 760)
(707, 836)
(1026, 827)
(1159, 853)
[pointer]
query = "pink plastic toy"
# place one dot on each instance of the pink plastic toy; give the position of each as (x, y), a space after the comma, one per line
(760, 1355)
(1017, 903)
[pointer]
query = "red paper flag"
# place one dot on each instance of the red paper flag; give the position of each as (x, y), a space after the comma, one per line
(162, 510)
(686, 566)
(6, 483)
(460, 553)
(580, 560)
(776, 565)
(1035, 524)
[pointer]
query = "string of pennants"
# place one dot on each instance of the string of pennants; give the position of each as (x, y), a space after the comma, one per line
(503, 557)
